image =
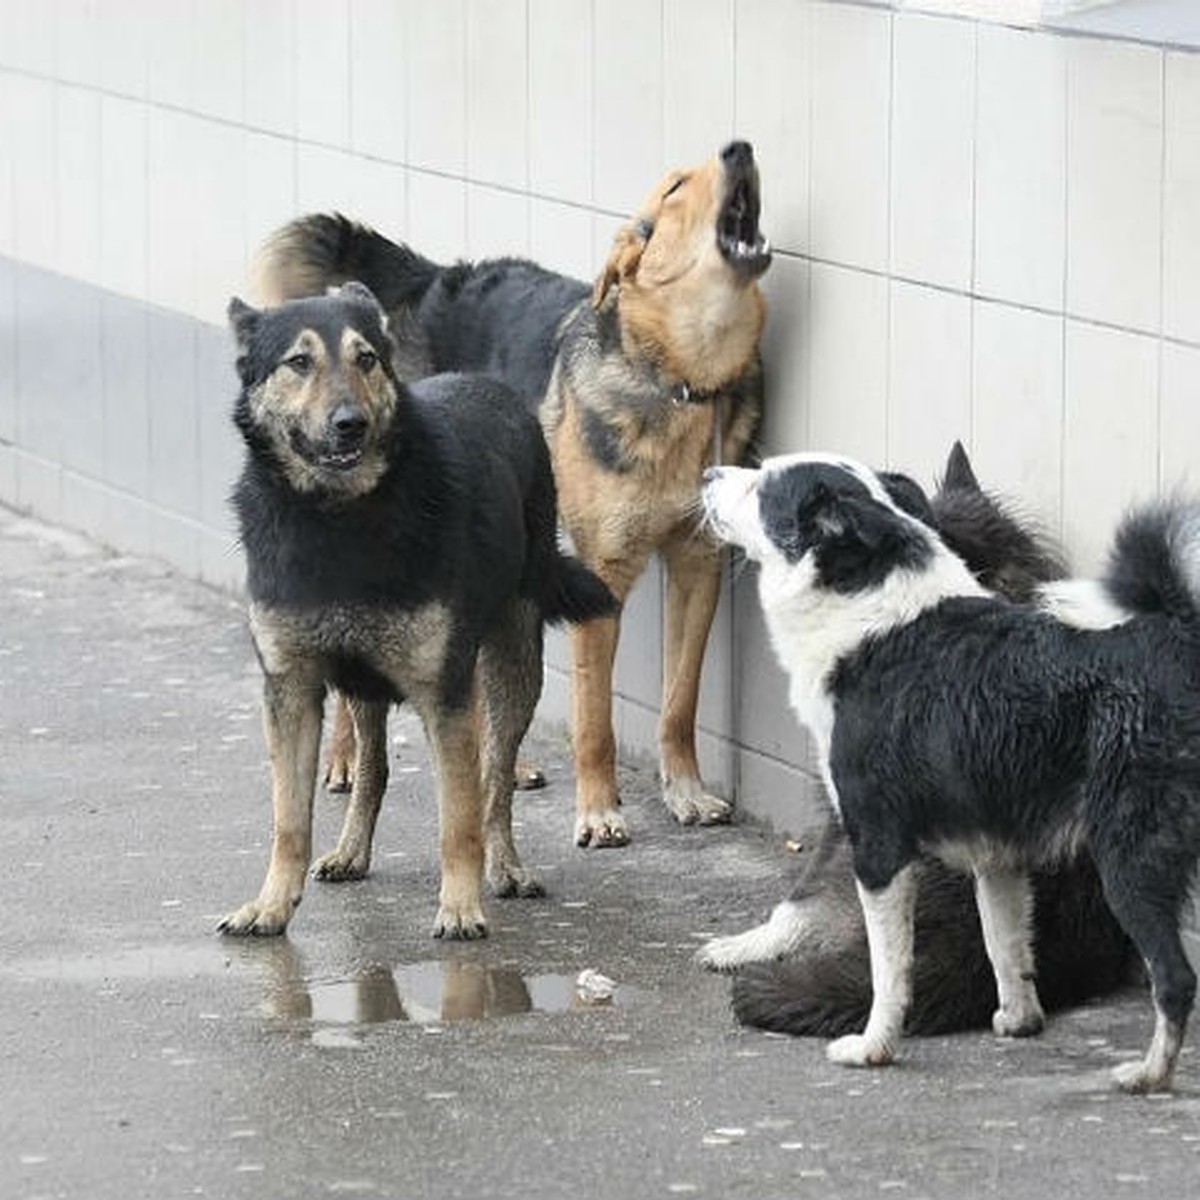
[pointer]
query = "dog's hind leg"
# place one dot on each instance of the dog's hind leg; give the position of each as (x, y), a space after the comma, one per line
(1152, 921)
(510, 668)
(598, 821)
(693, 589)
(339, 757)
(351, 858)
(292, 709)
(1005, 902)
(889, 913)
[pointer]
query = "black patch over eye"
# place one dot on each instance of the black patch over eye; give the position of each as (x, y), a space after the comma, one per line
(366, 361)
(302, 364)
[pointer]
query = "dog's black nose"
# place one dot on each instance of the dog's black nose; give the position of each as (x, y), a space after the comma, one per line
(348, 421)
(737, 156)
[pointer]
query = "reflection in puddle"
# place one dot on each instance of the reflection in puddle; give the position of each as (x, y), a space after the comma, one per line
(425, 993)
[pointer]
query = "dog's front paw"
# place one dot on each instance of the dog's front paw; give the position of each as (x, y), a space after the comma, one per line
(726, 954)
(1139, 1077)
(601, 829)
(858, 1050)
(258, 919)
(690, 804)
(1018, 1022)
(457, 925)
(339, 867)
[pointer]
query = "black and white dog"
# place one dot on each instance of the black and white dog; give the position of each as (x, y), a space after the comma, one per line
(806, 970)
(996, 737)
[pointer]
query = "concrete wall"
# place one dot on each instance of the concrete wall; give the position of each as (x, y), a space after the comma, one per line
(982, 232)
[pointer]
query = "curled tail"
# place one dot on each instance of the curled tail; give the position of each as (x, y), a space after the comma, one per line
(1154, 563)
(322, 250)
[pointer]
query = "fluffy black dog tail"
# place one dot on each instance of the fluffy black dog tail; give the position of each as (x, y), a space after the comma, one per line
(323, 250)
(1154, 564)
(813, 997)
(566, 590)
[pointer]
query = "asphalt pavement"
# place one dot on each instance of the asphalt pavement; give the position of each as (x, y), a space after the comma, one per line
(141, 1055)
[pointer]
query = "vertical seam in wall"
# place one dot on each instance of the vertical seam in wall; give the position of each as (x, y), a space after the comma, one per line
(733, 104)
(592, 124)
(293, 102)
(889, 173)
(971, 421)
(1063, 370)
(465, 63)
(528, 131)
(810, 104)
(1162, 275)
(348, 48)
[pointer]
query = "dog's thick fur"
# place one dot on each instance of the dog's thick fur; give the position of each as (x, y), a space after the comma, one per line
(807, 971)
(996, 737)
(642, 380)
(401, 544)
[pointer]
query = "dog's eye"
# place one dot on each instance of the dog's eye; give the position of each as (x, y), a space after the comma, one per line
(302, 364)
(366, 361)
(675, 186)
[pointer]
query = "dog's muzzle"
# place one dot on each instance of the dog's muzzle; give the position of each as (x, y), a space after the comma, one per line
(345, 437)
(739, 238)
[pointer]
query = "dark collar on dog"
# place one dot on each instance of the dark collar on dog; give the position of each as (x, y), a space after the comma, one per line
(683, 393)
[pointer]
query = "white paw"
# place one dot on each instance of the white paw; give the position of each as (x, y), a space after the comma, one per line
(858, 1050)
(1018, 1022)
(726, 953)
(1139, 1077)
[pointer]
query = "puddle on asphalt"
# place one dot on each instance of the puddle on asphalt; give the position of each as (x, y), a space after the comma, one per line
(428, 993)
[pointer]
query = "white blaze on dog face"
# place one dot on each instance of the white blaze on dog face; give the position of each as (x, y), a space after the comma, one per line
(800, 503)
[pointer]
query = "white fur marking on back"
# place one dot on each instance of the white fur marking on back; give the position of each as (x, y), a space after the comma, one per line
(1081, 603)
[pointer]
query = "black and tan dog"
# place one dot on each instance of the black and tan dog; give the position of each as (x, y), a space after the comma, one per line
(401, 544)
(642, 380)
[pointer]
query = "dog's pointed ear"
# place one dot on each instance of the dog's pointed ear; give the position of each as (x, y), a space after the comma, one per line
(908, 495)
(628, 245)
(353, 290)
(960, 475)
(243, 320)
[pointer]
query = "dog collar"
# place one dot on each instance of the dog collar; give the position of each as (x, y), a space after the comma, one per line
(683, 393)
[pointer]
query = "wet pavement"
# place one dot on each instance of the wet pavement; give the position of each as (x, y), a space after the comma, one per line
(142, 1056)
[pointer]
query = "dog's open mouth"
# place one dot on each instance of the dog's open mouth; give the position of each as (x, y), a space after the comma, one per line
(340, 460)
(327, 454)
(739, 239)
